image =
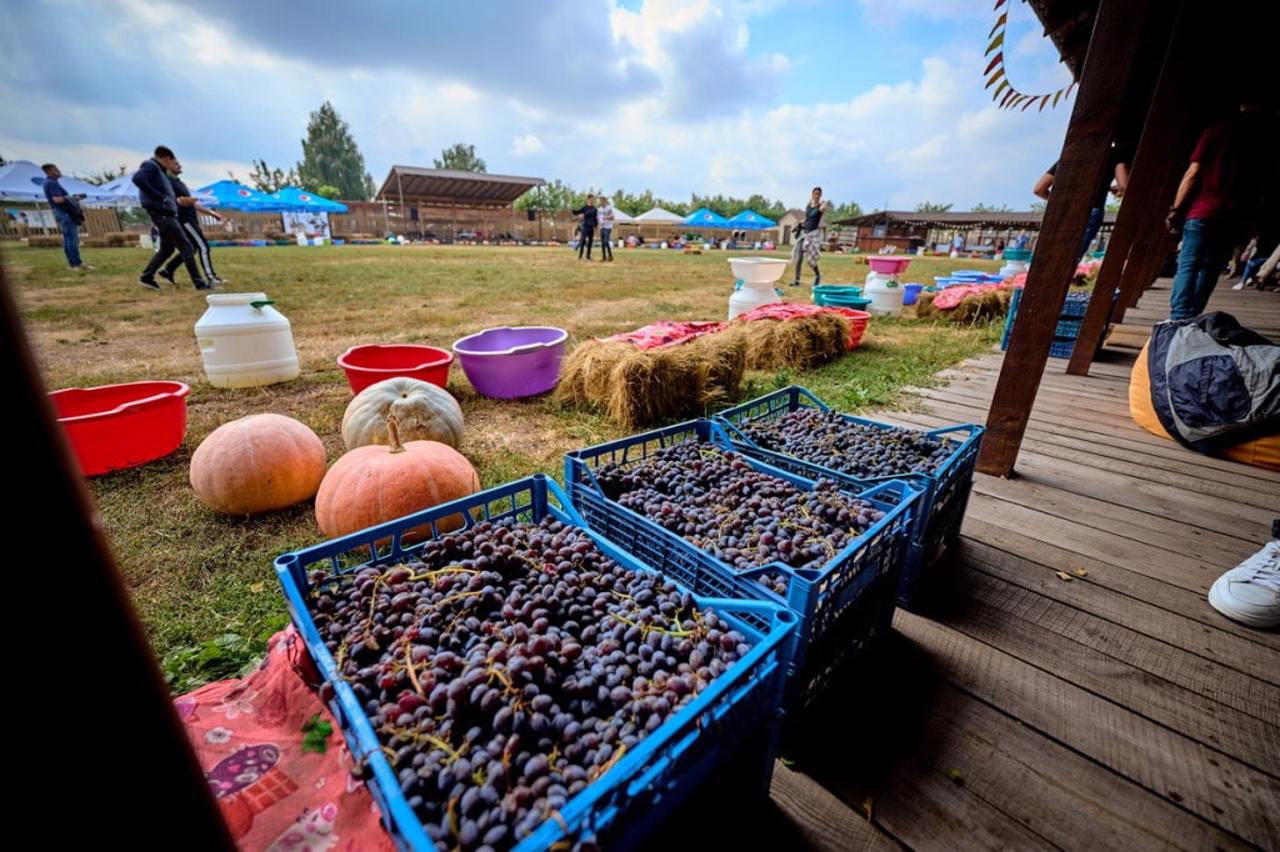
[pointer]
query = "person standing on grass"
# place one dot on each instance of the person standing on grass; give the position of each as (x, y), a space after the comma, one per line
(161, 203)
(66, 210)
(605, 213)
(589, 220)
(809, 241)
(189, 211)
(1223, 191)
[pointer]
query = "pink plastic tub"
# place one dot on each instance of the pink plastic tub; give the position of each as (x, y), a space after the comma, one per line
(888, 264)
(113, 427)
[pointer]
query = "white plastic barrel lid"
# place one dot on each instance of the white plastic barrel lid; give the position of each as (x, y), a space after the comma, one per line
(222, 300)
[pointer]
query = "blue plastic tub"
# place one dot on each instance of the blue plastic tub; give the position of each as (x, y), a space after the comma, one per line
(969, 274)
(843, 605)
(733, 722)
(911, 293)
(946, 491)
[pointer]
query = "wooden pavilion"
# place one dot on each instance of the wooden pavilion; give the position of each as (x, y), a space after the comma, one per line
(447, 204)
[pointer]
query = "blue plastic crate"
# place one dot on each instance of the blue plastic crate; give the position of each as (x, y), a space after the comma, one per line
(732, 723)
(842, 605)
(1065, 332)
(946, 492)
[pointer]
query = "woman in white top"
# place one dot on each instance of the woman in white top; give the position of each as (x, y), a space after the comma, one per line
(604, 210)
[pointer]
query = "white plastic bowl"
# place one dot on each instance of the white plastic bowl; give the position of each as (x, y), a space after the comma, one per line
(757, 270)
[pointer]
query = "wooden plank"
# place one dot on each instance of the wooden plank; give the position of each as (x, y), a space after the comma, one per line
(1040, 631)
(1195, 575)
(1103, 433)
(1160, 451)
(1186, 652)
(1120, 520)
(1246, 521)
(1113, 49)
(820, 819)
(1069, 800)
(1237, 798)
(1188, 463)
(1119, 578)
(924, 809)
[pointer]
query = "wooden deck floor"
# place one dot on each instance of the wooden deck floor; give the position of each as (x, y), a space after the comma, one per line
(1070, 687)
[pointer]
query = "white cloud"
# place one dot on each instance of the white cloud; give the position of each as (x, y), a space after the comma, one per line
(642, 116)
(523, 146)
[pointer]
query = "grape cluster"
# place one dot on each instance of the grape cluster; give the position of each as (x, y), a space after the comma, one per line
(511, 666)
(827, 439)
(716, 501)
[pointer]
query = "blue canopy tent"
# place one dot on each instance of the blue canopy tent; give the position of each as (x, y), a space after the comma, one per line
(705, 218)
(750, 220)
(304, 201)
(229, 195)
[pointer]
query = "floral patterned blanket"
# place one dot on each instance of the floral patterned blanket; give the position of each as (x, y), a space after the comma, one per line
(276, 762)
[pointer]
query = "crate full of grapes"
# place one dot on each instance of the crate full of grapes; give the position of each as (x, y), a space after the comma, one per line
(508, 679)
(794, 430)
(683, 500)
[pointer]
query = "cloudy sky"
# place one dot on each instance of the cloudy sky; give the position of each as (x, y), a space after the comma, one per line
(880, 101)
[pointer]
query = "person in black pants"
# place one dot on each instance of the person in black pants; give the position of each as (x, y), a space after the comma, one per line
(189, 211)
(158, 199)
(589, 219)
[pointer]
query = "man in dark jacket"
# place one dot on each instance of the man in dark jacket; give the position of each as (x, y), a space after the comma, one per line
(157, 197)
(189, 211)
(589, 220)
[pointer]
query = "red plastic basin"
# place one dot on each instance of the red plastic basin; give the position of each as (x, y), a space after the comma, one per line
(117, 426)
(371, 363)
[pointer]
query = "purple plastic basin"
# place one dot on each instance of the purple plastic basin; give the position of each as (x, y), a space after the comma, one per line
(507, 363)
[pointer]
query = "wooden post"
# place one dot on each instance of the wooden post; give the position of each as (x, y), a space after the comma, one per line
(111, 708)
(1117, 32)
(1146, 198)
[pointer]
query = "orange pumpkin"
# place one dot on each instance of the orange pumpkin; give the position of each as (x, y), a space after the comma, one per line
(257, 464)
(374, 484)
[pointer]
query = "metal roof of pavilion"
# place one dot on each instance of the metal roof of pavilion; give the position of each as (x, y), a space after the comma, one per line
(416, 185)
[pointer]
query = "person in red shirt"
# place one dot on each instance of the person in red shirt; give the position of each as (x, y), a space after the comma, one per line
(1222, 192)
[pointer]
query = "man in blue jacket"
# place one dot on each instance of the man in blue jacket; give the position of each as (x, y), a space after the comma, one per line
(158, 199)
(66, 209)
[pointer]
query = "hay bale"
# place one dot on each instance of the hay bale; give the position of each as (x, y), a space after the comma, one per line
(796, 343)
(639, 388)
(973, 309)
(40, 241)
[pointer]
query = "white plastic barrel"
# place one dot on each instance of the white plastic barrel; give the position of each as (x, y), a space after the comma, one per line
(885, 294)
(246, 342)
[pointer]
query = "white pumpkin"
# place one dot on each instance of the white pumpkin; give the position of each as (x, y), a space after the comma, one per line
(423, 411)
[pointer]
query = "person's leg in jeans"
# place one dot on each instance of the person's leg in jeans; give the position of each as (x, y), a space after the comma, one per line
(1217, 246)
(1091, 229)
(70, 239)
(1191, 257)
(606, 243)
(588, 240)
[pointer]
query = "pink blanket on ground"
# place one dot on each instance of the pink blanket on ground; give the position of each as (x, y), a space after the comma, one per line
(949, 298)
(275, 793)
(664, 333)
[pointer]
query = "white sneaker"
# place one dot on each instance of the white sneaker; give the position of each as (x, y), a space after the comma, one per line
(1239, 285)
(1250, 592)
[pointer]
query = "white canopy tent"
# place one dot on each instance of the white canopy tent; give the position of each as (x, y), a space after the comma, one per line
(659, 216)
(23, 180)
